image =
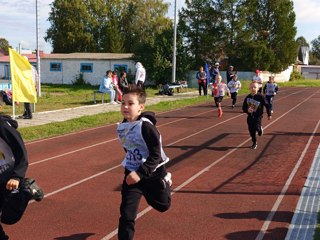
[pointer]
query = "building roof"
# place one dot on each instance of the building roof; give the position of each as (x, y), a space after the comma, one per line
(31, 57)
(88, 56)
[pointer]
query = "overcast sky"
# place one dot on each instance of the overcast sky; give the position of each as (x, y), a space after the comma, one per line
(18, 20)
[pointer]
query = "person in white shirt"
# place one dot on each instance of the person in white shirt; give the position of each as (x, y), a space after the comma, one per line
(107, 86)
(258, 79)
(140, 75)
(234, 86)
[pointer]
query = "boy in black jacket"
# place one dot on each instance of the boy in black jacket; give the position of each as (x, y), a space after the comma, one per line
(253, 105)
(145, 173)
(15, 190)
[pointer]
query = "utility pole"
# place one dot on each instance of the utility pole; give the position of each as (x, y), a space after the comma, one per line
(38, 51)
(174, 43)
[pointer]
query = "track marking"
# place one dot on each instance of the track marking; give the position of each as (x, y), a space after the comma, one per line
(206, 169)
(101, 143)
(276, 205)
(165, 124)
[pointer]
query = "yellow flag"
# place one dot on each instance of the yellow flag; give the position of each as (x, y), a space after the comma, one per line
(23, 84)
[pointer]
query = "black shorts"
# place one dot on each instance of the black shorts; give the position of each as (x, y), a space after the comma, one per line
(218, 99)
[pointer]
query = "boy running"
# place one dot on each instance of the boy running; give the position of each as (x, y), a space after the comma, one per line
(234, 86)
(270, 90)
(253, 105)
(145, 173)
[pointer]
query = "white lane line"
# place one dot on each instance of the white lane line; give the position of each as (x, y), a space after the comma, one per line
(104, 142)
(108, 125)
(276, 205)
(206, 169)
(165, 124)
(304, 220)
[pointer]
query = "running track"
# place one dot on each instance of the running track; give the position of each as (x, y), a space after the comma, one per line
(222, 189)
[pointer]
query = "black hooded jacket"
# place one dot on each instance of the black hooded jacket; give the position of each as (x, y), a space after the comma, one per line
(11, 138)
(152, 138)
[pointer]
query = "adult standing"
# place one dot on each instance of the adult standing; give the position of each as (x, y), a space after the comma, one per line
(140, 75)
(230, 74)
(214, 72)
(258, 79)
(202, 81)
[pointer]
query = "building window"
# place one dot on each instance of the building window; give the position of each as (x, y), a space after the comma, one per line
(86, 67)
(55, 67)
(119, 68)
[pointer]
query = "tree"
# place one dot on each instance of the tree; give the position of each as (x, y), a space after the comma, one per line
(272, 22)
(316, 47)
(200, 33)
(4, 44)
(104, 25)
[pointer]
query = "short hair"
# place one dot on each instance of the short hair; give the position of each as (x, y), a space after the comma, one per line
(109, 71)
(135, 89)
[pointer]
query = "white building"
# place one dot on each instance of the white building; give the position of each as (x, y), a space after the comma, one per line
(65, 68)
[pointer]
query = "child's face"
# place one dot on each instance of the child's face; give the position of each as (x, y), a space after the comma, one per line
(218, 79)
(254, 88)
(130, 107)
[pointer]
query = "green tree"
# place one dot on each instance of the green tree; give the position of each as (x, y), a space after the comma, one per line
(70, 30)
(272, 23)
(316, 47)
(4, 44)
(199, 26)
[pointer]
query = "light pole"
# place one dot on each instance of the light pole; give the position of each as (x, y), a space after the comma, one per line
(38, 54)
(174, 42)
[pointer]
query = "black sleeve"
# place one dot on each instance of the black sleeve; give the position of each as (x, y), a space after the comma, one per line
(152, 138)
(13, 138)
(264, 88)
(245, 105)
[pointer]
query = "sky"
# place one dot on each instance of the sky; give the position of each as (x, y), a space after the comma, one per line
(18, 21)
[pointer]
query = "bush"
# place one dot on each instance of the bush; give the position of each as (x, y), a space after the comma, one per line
(79, 80)
(295, 75)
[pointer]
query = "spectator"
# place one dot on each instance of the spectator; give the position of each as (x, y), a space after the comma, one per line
(123, 82)
(230, 74)
(115, 82)
(257, 78)
(140, 75)
(202, 82)
(106, 86)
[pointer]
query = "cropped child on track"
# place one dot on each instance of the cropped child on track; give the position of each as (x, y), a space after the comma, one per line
(253, 105)
(145, 173)
(219, 89)
(270, 89)
(234, 86)
(15, 190)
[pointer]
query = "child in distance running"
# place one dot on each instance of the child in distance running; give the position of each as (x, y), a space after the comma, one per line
(219, 89)
(253, 105)
(270, 89)
(234, 86)
(145, 172)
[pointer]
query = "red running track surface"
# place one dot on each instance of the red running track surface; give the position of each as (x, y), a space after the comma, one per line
(221, 188)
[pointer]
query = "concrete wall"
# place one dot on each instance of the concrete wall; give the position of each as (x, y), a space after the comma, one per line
(71, 68)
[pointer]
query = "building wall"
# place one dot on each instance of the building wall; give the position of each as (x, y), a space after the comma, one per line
(71, 69)
(310, 71)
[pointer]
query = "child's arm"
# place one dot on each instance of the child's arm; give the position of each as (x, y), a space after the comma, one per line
(13, 138)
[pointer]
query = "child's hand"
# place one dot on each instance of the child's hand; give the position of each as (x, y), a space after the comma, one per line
(12, 184)
(269, 117)
(132, 178)
(250, 110)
